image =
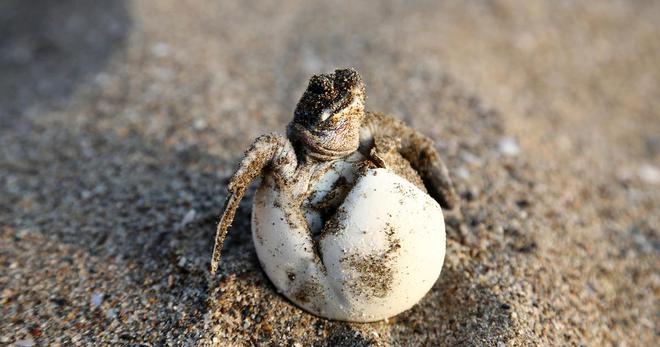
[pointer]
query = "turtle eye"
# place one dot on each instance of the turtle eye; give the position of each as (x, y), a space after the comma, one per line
(326, 114)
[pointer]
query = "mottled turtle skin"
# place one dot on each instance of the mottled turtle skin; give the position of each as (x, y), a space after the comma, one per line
(331, 137)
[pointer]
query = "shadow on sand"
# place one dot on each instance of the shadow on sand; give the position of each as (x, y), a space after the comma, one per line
(48, 47)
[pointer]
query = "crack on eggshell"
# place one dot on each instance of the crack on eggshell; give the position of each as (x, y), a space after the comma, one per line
(329, 207)
(334, 198)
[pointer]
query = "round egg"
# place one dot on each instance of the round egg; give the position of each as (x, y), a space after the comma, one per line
(364, 245)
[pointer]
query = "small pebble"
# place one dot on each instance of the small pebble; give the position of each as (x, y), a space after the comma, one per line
(189, 217)
(96, 300)
(24, 343)
(649, 174)
(199, 124)
(462, 172)
(182, 262)
(160, 49)
(508, 146)
(470, 158)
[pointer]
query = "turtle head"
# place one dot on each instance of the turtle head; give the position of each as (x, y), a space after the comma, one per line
(328, 116)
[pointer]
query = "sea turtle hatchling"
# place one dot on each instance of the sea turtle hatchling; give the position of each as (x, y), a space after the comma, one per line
(347, 221)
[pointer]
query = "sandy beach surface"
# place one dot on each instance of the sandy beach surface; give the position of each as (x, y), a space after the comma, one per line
(121, 121)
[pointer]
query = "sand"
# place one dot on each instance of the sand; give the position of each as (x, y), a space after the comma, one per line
(120, 123)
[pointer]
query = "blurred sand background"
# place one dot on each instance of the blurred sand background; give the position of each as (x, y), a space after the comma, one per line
(120, 122)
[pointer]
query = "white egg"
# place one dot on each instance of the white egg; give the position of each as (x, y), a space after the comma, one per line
(377, 256)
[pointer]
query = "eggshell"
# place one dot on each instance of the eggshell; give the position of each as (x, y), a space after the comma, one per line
(379, 254)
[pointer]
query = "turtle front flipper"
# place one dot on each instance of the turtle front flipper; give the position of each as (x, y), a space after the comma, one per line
(270, 151)
(417, 149)
(386, 154)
